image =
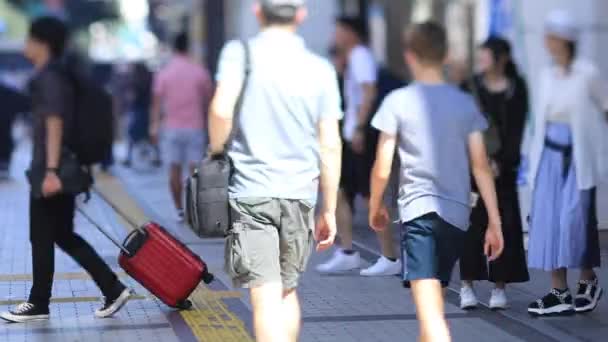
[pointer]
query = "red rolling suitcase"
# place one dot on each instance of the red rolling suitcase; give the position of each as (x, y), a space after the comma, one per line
(159, 262)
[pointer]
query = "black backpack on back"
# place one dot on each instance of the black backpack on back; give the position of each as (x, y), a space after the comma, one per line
(93, 134)
(92, 130)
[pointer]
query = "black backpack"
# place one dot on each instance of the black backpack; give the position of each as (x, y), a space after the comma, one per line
(92, 132)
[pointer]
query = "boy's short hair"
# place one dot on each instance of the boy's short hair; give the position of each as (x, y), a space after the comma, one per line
(52, 32)
(181, 43)
(428, 41)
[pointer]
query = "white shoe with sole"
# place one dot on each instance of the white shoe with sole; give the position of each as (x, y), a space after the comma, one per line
(468, 299)
(498, 300)
(340, 262)
(383, 267)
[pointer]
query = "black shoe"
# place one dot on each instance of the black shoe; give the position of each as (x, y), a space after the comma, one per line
(112, 306)
(26, 312)
(587, 296)
(556, 303)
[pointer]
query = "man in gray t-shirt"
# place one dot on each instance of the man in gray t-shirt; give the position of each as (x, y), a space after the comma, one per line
(287, 142)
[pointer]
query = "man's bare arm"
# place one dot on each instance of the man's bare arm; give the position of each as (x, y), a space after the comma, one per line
(331, 163)
(366, 107)
(54, 136)
(155, 115)
(221, 114)
(382, 168)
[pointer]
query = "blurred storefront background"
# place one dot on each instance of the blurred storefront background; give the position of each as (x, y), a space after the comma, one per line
(112, 32)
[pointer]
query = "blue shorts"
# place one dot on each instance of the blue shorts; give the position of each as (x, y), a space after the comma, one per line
(431, 248)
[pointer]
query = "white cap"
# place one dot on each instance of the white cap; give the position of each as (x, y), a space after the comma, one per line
(282, 8)
(562, 24)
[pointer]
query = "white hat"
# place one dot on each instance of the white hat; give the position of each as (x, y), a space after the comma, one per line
(562, 24)
(282, 8)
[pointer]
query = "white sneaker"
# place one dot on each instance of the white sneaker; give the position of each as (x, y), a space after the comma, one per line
(110, 307)
(382, 267)
(468, 300)
(498, 300)
(340, 262)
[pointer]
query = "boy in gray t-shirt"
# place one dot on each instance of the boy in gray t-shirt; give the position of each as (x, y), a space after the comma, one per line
(438, 130)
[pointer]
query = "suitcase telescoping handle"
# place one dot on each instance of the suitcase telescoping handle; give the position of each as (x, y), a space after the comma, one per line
(103, 231)
(116, 209)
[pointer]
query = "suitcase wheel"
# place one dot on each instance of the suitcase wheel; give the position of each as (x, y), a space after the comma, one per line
(208, 277)
(184, 305)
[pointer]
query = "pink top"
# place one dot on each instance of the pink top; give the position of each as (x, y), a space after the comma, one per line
(185, 88)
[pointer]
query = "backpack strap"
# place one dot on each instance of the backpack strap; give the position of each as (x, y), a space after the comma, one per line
(239, 103)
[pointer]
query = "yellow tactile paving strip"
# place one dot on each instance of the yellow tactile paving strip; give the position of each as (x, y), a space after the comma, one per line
(210, 320)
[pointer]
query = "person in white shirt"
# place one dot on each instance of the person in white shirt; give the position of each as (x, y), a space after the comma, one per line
(568, 159)
(360, 92)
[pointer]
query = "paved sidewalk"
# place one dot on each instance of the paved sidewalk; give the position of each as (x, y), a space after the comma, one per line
(351, 308)
(335, 308)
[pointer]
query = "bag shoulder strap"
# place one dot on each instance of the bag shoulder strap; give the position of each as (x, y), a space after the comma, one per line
(239, 103)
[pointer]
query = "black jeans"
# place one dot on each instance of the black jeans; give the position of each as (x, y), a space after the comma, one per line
(52, 222)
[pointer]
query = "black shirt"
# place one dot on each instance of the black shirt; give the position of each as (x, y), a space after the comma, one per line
(51, 95)
(508, 110)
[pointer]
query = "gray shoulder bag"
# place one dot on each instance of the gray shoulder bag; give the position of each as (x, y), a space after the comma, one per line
(207, 207)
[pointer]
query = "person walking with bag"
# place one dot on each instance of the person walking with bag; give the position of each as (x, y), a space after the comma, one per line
(503, 97)
(52, 208)
(283, 139)
(568, 159)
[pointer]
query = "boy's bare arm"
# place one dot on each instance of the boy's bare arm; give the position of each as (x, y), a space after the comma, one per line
(378, 215)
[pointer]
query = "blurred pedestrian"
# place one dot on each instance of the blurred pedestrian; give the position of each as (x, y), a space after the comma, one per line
(568, 160)
(360, 95)
(13, 103)
(287, 141)
(52, 215)
(183, 89)
(139, 113)
(434, 180)
(503, 97)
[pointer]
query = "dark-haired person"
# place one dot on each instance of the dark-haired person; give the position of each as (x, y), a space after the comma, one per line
(52, 216)
(360, 93)
(288, 145)
(183, 88)
(139, 113)
(503, 97)
(568, 159)
(437, 129)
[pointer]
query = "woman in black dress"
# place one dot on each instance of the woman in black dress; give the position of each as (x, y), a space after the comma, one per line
(503, 97)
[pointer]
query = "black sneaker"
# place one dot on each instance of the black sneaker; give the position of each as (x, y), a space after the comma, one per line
(556, 303)
(26, 312)
(587, 296)
(112, 306)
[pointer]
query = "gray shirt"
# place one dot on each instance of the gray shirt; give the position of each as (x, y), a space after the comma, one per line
(276, 148)
(433, 124)
(51, 94)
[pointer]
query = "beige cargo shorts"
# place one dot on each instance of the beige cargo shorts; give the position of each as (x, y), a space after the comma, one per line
(270, 240)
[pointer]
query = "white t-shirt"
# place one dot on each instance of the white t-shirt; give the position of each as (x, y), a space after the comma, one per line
(361, 69)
